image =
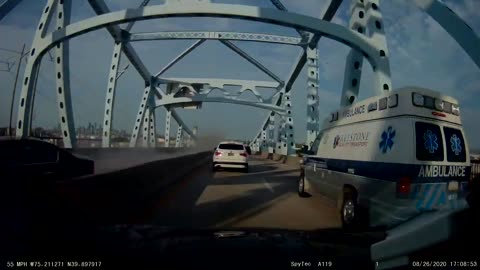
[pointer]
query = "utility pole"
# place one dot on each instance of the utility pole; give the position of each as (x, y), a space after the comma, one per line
(14, 90)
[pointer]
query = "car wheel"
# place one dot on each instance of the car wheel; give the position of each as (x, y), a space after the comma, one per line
(214, 169)
(349, 210)
(245, 170)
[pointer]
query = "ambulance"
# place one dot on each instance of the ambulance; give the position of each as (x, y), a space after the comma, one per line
(389, 158)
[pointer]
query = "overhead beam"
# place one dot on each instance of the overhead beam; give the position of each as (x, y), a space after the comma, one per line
(278, 4)
(255, 37)
(180, 56)
(130, 24)
(454, 25)
(314, 39)
(333, 31)
(179, 100)
(251, 60)
(220, 82)
(115, 31)
(7, 6)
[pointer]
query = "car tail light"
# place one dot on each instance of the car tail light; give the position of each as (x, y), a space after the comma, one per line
(244, 154)
(217, 153)
(403, 186)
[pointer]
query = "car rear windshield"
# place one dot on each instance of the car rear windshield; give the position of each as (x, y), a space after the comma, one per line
(455, 145)
(429, 142)
(231, 146)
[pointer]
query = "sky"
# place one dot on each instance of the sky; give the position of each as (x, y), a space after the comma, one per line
(421, 54)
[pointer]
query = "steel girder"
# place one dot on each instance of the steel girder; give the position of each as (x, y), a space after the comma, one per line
(252, 60)
(178, 139)
(146, 127)
(201, 95)
(64, 99)
(113, 75)
(271, 133)
(153, 130)
(454, 25)
(245, 12)
(302, 56)
(312, 95)
(354, 61)
(110, 96)
(286, 141)
(118, 34)
(33, 64)
(209, 84)
(146, 100)
(257, 37)
(177, 102)
(333, 31)
(7, 6)
(179, 57)
(168, 117)
(376, 33)
(278, 4)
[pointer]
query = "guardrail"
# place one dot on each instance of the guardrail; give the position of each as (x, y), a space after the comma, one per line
(123, 196)
(115, 151)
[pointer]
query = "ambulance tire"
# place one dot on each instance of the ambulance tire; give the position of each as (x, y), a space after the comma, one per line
(301, 187)
(349, 210)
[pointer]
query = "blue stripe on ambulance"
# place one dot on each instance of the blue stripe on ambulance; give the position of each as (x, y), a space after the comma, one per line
(432, 197)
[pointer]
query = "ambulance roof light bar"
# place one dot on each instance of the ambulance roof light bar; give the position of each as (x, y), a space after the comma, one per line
(437, 104)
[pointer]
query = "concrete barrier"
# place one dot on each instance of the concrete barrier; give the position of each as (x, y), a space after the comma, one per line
(278, 157)
(293, 161)
(123, 195)
(289, 160)
(264, 155)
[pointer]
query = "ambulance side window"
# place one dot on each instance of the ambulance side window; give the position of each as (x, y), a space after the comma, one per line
(455, 145)
(429, 142)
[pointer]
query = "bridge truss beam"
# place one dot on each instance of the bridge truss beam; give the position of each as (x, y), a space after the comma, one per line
(300, 63)
(454, 25)
(371, 46)
(100, 7)
(204, 35)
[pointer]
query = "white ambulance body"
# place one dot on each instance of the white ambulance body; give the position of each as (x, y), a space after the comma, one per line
(389, 158)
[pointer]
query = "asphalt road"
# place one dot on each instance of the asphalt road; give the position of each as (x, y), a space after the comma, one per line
(266, 197)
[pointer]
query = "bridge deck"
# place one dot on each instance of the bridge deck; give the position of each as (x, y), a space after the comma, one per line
(266, 197)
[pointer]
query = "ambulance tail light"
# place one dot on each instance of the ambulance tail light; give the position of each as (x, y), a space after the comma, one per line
(404, 185)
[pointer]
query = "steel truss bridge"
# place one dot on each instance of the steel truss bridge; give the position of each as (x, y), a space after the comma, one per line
(364, 35)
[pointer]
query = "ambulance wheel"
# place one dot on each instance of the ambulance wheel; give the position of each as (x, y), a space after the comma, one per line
(349, 210)
(301, 188)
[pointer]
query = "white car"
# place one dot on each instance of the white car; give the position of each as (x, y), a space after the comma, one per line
(230, 155)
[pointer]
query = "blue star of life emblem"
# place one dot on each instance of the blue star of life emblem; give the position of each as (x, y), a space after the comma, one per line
(387, 140)
(430, 141)
(456, 144)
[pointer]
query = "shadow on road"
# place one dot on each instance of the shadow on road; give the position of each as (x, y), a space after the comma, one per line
(123, 197)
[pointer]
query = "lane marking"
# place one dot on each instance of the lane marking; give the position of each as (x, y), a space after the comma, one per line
(267, 185)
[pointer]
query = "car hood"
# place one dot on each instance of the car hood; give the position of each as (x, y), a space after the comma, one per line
(180, 246)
